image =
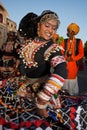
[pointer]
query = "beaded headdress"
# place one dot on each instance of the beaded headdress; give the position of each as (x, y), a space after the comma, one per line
(47, 15)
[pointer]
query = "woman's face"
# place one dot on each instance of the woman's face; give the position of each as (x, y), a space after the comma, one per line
(47, 29)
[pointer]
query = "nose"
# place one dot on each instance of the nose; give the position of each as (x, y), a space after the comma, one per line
(50, 29)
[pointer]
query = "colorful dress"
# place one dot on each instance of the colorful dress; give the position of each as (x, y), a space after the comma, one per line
(43, 64)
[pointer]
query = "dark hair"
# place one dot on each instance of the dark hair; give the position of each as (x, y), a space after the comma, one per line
(28, 26)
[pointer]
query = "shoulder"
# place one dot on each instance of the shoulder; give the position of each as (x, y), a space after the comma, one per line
(79, 41)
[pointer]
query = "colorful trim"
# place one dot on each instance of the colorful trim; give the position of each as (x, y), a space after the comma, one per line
(52, 49)
(57, 60)
(28, 52)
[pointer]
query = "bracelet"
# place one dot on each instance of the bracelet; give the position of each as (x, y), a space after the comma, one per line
(43, 96)
(41, 106)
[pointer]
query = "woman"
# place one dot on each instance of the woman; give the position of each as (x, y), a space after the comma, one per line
(9, 60)
(29, 96)
(41, 54)
(45, 69)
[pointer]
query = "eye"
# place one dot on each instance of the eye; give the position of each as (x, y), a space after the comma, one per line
(47, 25)
(54, 27)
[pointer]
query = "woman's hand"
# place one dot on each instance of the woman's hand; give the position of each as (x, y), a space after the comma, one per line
(42, 112)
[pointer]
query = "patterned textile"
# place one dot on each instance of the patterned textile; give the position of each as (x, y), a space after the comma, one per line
(18, 111)
(73, 113)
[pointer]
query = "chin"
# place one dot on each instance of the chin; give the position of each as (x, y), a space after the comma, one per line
(47, 38)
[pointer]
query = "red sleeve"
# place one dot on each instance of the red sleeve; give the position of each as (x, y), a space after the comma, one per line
(80, 52)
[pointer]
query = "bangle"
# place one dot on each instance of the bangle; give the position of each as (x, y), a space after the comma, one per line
(41, 106)
(43, 96)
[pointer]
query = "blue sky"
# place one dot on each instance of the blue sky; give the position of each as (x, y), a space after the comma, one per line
(68, 11)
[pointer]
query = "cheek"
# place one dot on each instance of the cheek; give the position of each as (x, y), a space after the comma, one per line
(41, 31)
(54, 32)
